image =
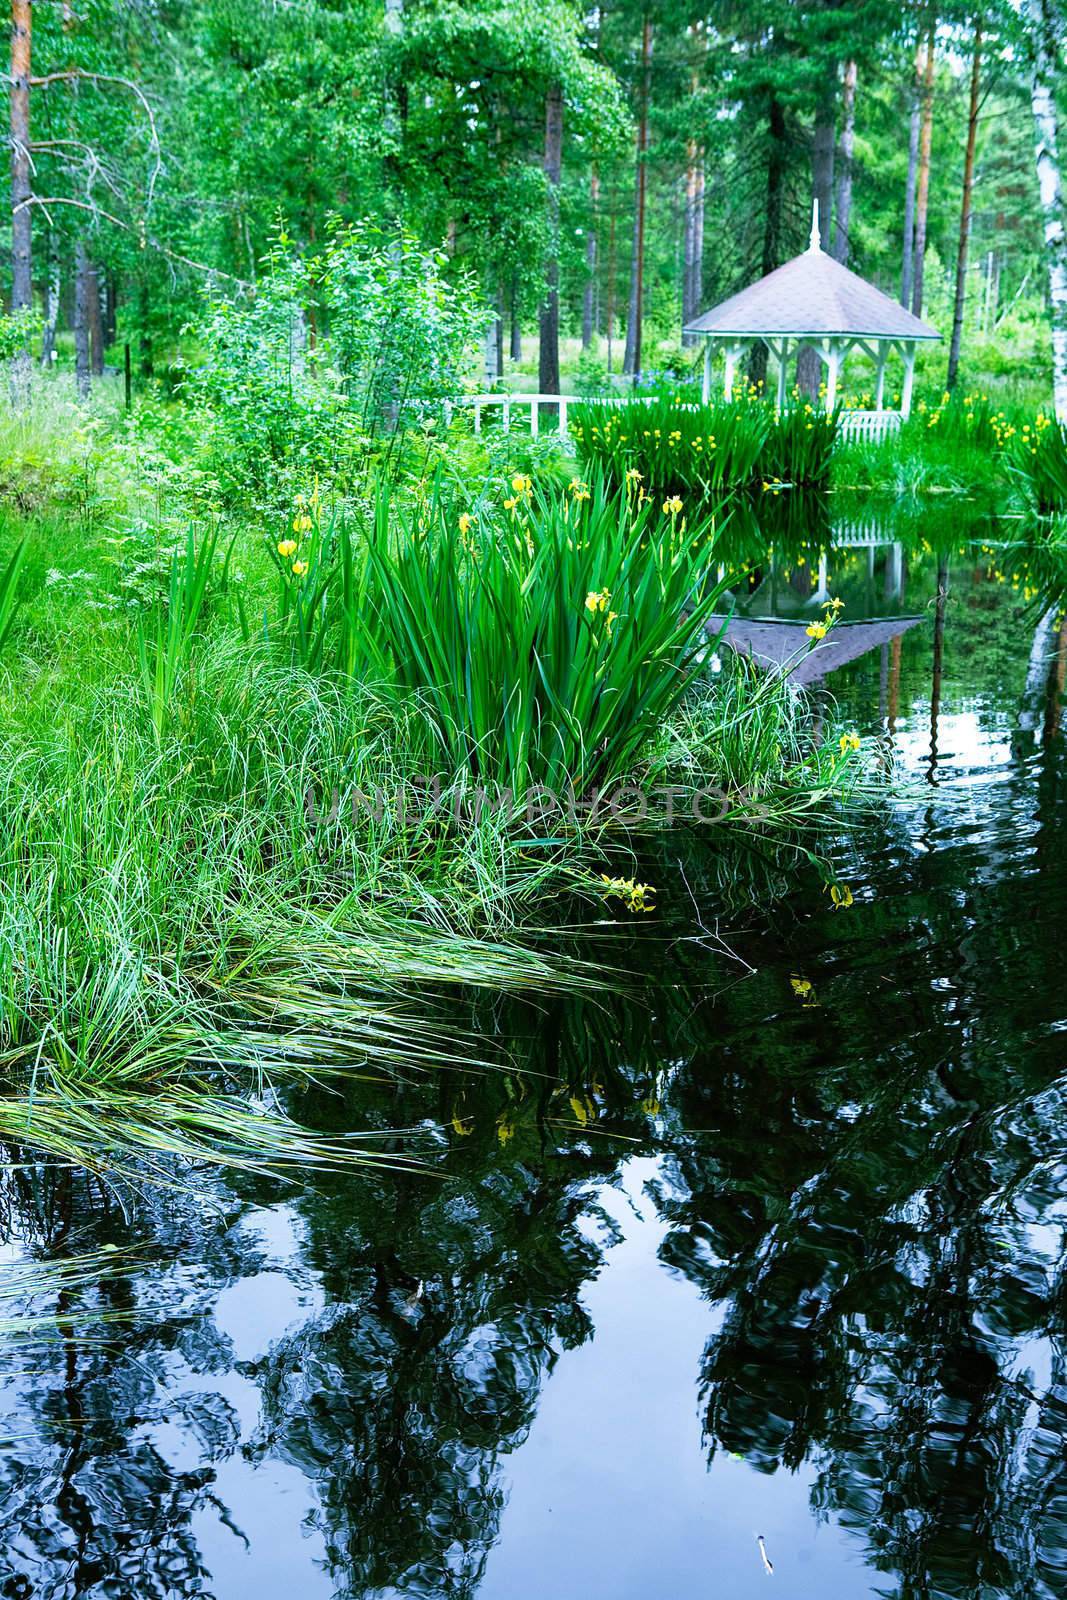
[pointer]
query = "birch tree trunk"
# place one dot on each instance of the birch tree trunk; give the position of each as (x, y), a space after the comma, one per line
(693, 269)
(548, 350)
(693, 266)
(926, 134)
(1042, 25)
(907, 266)
(966, 211)
(51, 301)
(589, 297)
(21, 228)
(631, 361)
(21, 225)
(845, 147)
(84, 293)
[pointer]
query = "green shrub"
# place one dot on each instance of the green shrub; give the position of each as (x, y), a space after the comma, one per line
(301, 376)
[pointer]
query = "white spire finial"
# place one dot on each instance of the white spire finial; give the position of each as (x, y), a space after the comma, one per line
(815, 242)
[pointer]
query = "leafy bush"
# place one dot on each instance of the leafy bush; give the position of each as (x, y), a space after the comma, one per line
(399, 330)
(302, 373)
(278, 413)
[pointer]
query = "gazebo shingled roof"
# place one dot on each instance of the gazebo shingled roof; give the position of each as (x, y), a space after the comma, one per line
(815, 301)
(812, 295)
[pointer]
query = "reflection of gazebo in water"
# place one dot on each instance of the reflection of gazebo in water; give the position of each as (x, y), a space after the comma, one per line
(814, 302)
(769, 622)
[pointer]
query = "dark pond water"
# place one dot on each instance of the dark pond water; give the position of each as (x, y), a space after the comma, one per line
(769, 1247)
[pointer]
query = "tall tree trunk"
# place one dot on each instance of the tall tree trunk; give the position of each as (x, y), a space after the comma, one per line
(773, 213)
(144, 330)
(21, 227)
(926, 134)
(84, 295)
(51, 301)
(632, 358)
(693, 277)
(111, 304)
(692, 271)
(1041, 17)
(907, 265)
(809, 366)
(515, 345)
(499, 323)
(548, 354)
(96, 324)
(610, 287)
(966, 209)
(845, 147)
(21, 224)
(698, 239)
(589, 297)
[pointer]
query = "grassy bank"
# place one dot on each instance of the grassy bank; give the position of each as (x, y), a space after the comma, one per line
(268, 785)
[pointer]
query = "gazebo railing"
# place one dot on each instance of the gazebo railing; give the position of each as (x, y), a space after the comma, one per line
(872, 425)
(868, 424)
(480, 404)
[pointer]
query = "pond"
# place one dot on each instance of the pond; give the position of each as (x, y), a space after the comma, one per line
(755, 1262)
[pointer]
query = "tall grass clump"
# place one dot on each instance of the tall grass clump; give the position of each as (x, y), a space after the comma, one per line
(676, 447)
(165, 642)
(1038, 457)
(543, 637)
(800, 446)
(184, 915)
(9, 591)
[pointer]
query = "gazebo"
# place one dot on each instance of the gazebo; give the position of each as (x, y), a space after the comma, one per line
(816, 302)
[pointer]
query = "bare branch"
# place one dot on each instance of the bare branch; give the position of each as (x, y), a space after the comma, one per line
(147, 242)
(81, 74)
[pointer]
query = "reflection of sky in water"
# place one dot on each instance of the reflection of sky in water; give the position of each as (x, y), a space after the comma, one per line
(589, 1515)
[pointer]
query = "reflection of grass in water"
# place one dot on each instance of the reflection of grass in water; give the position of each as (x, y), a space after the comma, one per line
(25, 1322)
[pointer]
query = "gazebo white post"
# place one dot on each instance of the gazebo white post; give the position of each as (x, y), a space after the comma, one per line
(782, 357)
(833, 367)
(731, 362)
(705, 388)
(879, 396)
(909, 379)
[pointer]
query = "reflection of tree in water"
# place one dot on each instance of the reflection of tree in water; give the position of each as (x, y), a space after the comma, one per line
(397, 1400)
(879, 1212)
(91, 1505)
(447, 1298)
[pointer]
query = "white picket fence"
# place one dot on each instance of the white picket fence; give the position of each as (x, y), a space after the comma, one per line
(868, 424)
(510, 403)
(854, 424)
